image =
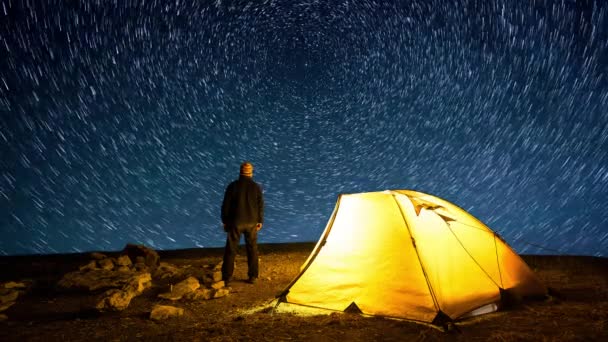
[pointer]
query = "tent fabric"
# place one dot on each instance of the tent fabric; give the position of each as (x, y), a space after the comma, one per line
(406, 254)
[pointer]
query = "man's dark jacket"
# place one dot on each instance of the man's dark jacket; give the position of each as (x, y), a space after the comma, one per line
(243, 203)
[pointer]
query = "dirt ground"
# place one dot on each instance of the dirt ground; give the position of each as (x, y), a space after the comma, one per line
(577, 309)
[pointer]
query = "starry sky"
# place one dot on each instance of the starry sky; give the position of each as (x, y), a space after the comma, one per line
(123, 121)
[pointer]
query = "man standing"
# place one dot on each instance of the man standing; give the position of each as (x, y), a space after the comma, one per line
(242, 212)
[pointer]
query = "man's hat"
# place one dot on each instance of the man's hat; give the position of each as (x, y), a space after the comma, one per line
(247, 169)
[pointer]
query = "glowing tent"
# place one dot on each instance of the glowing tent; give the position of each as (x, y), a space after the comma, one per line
(410, 255)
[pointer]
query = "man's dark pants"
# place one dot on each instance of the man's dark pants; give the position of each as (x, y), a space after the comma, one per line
(232, 243)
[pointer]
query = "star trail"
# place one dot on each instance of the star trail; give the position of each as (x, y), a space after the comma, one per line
(123, 121)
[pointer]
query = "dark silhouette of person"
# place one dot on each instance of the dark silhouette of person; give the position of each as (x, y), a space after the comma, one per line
(242, 213)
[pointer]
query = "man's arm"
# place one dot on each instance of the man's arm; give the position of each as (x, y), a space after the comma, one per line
(260, 206)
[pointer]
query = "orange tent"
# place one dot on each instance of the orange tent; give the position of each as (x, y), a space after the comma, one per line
(410, 255)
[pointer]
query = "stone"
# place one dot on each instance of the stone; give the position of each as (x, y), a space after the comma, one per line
(14, 285)
(140, 260)
(138, 283)
(98, 256)
(4, 306)
(8, 295)
(220, 293)
(123, 260)
(141, 267)
(151, 258)
(166, 270)
(200, 294)
(88, 267)
(119, 299)
(3, 317)
(105, 264)
(96, 280)
(162, 312)
(114, 300)
(218, 285)
(181, 289)
(217, 276)
(123, 269)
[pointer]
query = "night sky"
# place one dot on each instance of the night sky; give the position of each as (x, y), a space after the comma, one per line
(123, 121)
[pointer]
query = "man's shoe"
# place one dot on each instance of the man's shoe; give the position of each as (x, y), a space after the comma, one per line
(226, 282)
(252, 280)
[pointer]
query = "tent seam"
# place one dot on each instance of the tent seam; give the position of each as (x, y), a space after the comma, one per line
(428, 283)
(471, 226)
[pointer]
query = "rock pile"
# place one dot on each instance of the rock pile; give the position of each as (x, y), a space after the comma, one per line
(191, 289)
(128, 275)
(142, 255)
(9, 292)
(122, 278)
(119, 299)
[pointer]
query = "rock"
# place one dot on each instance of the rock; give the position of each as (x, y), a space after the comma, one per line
(114, 300)
(105, 264)
(9, 292)
(98, 256)
(190, 283)
(14, 285)
(138, 283)
(200, 294)
(220, 293)
(8, 295)
(181, 289)
(218, 285)
(217, 276)
(151, 258)
(118, 300)
(140, 260)
(162, 312)
(166, 270)
(4, 306)
(123, 269)
(95, 280)
(88, 267)
(123, 260)
(141, 267)
(3, 317)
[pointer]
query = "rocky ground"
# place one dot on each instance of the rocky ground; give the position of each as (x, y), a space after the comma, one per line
(176, 295)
